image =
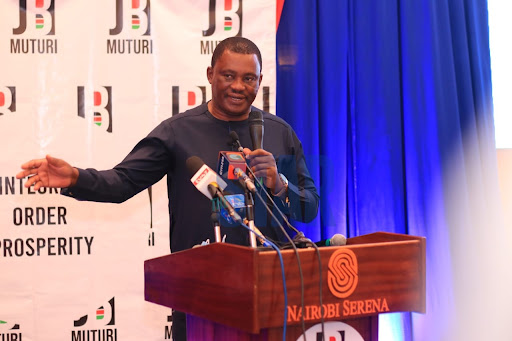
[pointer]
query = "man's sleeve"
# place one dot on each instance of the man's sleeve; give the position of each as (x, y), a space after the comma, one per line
(302, 198)
(146, 164)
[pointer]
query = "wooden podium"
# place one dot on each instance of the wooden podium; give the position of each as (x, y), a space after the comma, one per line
(231, 292)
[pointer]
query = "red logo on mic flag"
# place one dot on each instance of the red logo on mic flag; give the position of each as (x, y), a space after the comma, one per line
(201, 176)
(228, 161)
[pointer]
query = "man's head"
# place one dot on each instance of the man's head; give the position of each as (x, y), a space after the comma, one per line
(235, 76)
(237, 45)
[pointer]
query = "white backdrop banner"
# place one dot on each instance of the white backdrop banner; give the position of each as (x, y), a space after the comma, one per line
(84, 80)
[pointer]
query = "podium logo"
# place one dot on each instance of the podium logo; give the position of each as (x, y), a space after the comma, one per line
(342, 274)
(10, 332)
(36, 19)
(7, 99)
(101, 108)
(101, 316)
(224, 20)
(133, 20)
(333, 331)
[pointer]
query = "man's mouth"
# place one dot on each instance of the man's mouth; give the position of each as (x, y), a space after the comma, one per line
(236, 98)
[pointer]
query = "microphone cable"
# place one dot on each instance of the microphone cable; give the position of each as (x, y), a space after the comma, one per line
(285, 292)
(236, 141)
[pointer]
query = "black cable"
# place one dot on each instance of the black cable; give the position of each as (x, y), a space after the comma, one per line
(274, 246)
(234, 136)
(303, 323)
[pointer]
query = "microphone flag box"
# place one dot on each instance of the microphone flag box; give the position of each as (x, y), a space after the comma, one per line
(228, 161)
(205, 176)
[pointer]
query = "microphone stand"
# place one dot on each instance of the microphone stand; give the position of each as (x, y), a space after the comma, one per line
(249, 203)
(300, 238)
(215, 220)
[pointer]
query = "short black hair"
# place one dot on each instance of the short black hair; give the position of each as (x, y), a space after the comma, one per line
(236, 45)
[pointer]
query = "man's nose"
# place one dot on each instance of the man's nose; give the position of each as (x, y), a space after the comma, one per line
(238, 84)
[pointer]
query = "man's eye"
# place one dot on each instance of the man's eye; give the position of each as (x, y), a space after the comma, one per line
(228, 76)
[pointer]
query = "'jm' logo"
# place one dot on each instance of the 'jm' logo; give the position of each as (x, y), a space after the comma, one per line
(7, 99)
(101, 105)
(6, 326)
(185, 99)
(100, 315)
(226, 15)
(36, 17)
(137, 15)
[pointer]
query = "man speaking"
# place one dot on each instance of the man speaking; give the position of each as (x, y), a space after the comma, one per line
(235, 77)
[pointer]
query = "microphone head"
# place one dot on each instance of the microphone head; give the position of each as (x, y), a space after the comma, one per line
(235, 141)
(255, 117)
(234, 135)
(202, 176)
(256, 129)
(338, 240)
(193, 164)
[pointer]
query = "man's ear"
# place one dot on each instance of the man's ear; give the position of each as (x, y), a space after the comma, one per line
(209, 74)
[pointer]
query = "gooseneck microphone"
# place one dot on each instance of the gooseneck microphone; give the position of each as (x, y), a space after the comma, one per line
(216, 192)
(256, 129)
(209, 183)
(336, 240)
(201, 175)
(235, 141)
(245, 179)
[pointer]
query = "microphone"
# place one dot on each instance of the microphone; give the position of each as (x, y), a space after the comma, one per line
(336, 240)
(202, 175)
(244, 178)
(256, 129)
(236, 141)
(207, 182)
(216, 192)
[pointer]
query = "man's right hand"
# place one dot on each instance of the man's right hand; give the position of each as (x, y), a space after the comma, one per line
(48, 172)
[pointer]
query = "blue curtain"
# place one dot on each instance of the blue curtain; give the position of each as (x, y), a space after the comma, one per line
(392, 102)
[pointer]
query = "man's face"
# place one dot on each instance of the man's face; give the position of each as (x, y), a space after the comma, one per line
(235, 81)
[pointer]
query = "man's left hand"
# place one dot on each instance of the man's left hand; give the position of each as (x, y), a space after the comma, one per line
(264, 166)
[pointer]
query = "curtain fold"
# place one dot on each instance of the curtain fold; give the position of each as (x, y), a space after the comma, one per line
(392, 102)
